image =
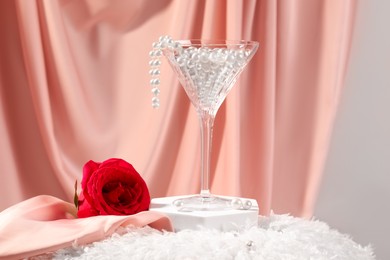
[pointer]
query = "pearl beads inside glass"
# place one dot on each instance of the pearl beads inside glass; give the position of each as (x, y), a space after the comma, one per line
(199, 65)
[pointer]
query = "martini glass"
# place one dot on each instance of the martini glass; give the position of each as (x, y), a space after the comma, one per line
(207, 70)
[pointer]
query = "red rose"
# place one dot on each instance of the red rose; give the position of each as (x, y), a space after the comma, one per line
(112, 187)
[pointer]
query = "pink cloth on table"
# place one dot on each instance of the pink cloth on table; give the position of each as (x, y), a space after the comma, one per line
(44, 224)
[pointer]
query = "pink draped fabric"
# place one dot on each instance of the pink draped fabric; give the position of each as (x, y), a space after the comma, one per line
(44, 224)
(74, 86)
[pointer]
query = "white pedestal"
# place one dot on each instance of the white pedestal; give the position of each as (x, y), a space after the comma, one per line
(224, 220)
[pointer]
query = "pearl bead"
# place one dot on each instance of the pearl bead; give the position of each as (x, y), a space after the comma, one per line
(231, 58)
(152, 54)
(206, 67)
(156, 45)
(195, 56)
(164, 38)
(240, 63)
(178, 50)
(214, 65)
(155, 102)
(247, 204)
(204, 56)
(154, 72)
(191, 64)
(155, 82)
(192, 72)
(155, 91)
(170, 42)
(236, 203)
(241, 54)
(190, 50)
(181, 61)
(213, 56)
(166, 41)
(155, 63)
(178, 203)
(176, 45)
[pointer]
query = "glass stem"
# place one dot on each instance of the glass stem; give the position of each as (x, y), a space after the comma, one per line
(206, 132)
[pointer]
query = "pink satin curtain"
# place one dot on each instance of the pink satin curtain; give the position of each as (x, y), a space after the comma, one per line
(74, 86)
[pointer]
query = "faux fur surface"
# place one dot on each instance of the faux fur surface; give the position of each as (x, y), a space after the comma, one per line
(275, 237)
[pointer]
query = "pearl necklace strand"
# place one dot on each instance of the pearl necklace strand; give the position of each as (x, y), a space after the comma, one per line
(155, 62)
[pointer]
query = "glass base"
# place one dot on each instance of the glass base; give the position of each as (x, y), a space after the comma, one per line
(210, 203)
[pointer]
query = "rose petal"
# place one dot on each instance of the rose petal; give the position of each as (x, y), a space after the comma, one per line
(85, 210)
(114, 162)
(88, 170)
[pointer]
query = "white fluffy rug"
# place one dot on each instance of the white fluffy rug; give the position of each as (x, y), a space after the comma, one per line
(276, 237)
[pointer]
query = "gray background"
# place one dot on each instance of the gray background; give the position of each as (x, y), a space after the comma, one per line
(355, 193)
